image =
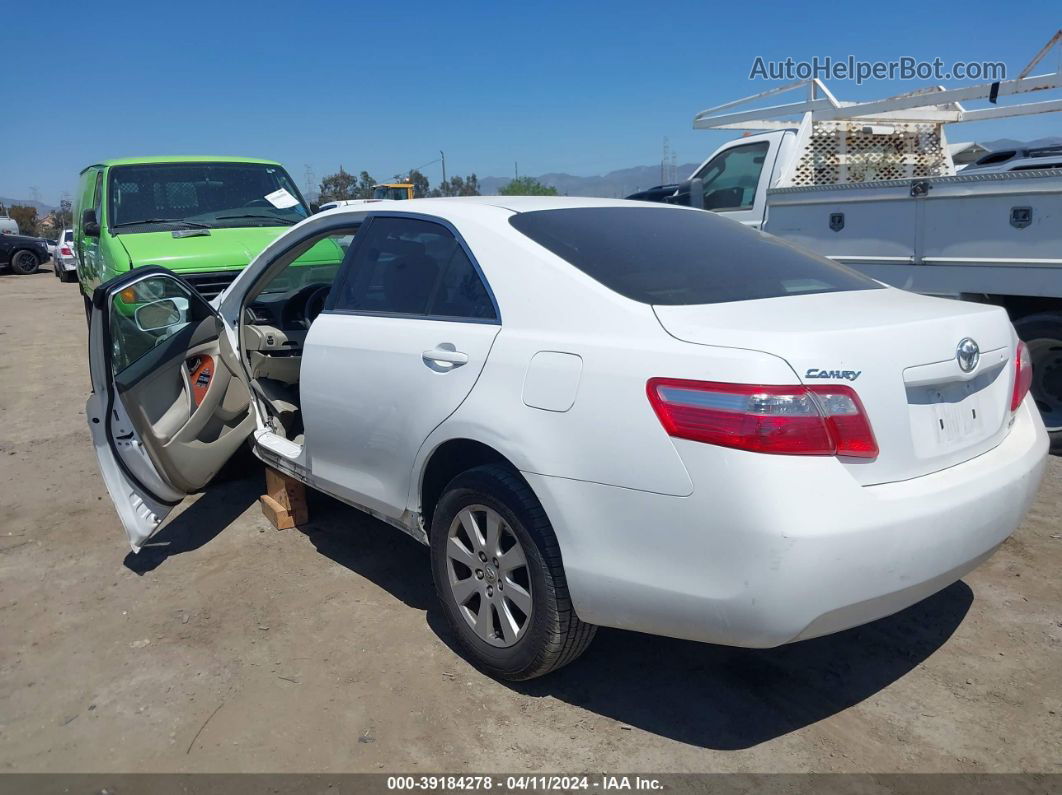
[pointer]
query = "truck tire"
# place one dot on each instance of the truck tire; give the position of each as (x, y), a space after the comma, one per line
(1042, 334)
(514, 618)
(24, 262)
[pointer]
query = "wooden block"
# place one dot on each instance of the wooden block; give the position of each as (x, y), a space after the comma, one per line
(284, 503)
(276, 513)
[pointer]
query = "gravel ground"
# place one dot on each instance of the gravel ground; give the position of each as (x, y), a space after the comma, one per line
(230, 646)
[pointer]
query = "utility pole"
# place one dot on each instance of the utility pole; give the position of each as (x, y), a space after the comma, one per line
(665, 163)
(442, 155)
(516, 170)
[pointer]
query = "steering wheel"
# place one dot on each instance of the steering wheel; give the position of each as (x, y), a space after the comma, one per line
(315, 303)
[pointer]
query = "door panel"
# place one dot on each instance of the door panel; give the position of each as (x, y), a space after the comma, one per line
(164, 408)
(373, 389)
(166, 411)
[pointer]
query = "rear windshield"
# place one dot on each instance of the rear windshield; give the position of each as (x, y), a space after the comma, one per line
(660, 255)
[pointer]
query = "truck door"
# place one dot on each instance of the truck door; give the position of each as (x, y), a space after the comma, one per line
(88, 246)
(735, 179)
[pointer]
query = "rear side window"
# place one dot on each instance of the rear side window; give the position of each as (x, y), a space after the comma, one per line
(671, 256)
(404, 266)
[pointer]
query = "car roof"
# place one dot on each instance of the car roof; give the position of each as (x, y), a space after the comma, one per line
(516, 204)
(161, 159)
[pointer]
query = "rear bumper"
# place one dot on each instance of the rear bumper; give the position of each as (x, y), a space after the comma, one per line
(68, 264)
(772, 549)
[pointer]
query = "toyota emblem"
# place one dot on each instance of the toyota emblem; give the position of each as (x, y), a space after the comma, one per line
(967, 354)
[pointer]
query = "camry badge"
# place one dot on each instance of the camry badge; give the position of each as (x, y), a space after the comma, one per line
(967, 354)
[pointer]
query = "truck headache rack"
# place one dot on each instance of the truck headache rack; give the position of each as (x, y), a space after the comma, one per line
(894, 138)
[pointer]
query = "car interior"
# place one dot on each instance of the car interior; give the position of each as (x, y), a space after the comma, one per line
(403, 267)
(277, 315)
(179, 379)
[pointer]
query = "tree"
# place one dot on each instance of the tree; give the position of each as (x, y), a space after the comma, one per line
(65, 214)
(338, 187)
(421, 186)
(365, 185)
(456, 186)
(526, 186)
(26, 217)
(62, 218)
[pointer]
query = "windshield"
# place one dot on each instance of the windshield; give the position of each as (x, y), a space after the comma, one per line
(214, 195)
(664, 255)
(389, 192)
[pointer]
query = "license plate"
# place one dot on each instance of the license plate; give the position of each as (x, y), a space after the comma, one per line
(957, 414)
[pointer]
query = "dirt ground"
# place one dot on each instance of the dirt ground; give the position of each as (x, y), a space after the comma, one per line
(230, 646)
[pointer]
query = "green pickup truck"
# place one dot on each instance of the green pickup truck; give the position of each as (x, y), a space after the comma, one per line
(204, 217)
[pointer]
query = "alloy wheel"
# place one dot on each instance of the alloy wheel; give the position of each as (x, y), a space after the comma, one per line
(24, 262)
(487, 571)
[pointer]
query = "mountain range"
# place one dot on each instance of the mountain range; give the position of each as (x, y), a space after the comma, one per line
(614, 184)
(1010, 143)
(42, 208)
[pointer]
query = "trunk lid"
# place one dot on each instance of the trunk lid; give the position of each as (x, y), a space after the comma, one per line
(897, 350)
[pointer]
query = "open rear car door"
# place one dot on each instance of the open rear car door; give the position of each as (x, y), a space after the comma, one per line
(169, 405)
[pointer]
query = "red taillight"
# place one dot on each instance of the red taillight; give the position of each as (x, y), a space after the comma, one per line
(1022, 376)
(789, 420)
(66, 252)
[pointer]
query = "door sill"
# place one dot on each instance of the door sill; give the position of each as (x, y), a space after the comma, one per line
(278, 445)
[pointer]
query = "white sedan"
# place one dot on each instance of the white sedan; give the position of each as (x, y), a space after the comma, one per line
(595, 412)
(64, 263)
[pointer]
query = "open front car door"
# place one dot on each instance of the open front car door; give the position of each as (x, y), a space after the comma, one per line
(169, 405)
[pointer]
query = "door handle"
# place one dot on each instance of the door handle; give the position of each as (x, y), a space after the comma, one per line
(445, 355)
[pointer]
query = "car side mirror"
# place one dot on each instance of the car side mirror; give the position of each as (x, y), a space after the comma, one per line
(90, 224)
(160, 315)
(697, 193)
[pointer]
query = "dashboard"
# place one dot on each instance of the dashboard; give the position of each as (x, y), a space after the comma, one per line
(288, 313)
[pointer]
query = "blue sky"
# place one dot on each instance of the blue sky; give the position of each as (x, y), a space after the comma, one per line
(577, 87)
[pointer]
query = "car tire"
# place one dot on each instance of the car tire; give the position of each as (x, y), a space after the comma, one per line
(551, 635)
(67, 277)
(24, 262)
(1042, 334)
